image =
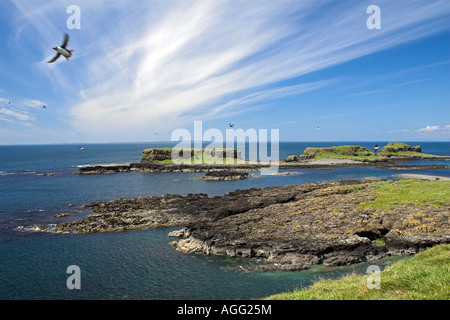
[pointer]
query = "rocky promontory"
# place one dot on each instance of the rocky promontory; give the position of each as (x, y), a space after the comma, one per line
(290, 227)
(224, 176)
(402, 149)
(209, 160)
(190, 155)
(339, 152)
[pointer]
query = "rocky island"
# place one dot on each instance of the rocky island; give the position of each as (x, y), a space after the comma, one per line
(286, 227)
(291, 227)
(206, 160)
(224, 176)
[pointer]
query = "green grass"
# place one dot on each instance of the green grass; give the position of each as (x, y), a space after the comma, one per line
(339, 152)
(389, 194)
(407, 154)
(331, 155)
(402, 149)
(161, 149)
(198, 156)
(205, 160)
(361, 153)
(425, 276)
(164, 161)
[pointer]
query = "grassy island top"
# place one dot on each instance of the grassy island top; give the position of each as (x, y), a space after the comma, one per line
(402, 149)
(338, 152)
(191, 155)
(227, 155)
(392, 149)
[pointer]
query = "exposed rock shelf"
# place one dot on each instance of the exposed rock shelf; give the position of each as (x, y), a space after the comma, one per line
(283, 228)
(316, 164)
(224, 176)
(207, 160)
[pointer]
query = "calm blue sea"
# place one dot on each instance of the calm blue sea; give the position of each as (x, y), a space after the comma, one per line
(134, 264)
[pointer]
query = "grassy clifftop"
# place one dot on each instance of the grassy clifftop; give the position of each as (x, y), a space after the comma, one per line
(392, 149)
(223, 155)
(425, 275)
(338, 152)
(402, 149)
(422, 277)
(189, 155)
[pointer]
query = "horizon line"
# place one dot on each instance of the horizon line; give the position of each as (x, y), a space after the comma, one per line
(192, 141)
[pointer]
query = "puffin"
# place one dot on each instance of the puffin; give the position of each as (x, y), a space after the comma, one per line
(62, 50)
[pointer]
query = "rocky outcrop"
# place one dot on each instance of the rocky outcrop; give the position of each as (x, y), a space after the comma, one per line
(218, 159)
(393, 148)
(173, 210)
(381, 163)
(104, 169)
(291, 158)
(324, 225)
(155, 155)
(336, 152)
(283, 228)
(224, 176)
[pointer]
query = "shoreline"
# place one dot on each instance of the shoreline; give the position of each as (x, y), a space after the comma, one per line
(282, 228)
(391, 163)
(426, 177)
(285, 228)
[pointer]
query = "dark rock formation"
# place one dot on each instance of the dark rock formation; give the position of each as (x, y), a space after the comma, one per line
(225, 175)
(155, 155)
(291, 158)
(284, 228)
(159, 167)
(393, 148)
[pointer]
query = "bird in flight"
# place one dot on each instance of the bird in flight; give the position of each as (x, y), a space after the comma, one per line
(231, 125)
(44, 107)
(61, 50)
(81, 148)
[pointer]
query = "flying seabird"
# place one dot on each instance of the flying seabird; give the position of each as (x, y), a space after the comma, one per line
(231, 125)
(62, 50)
(81, 148)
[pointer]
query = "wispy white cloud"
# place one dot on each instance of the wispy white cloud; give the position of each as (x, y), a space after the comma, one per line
(148, 63)
(434, 129)
(23, 116)
(19, 110)
(429, 129)
(386, 88)
(265, 95)
(29, 103)
(365, 93)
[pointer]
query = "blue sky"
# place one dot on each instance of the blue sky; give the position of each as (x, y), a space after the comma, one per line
(146, 67)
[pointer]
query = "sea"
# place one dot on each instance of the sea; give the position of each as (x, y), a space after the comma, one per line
(37, 182)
